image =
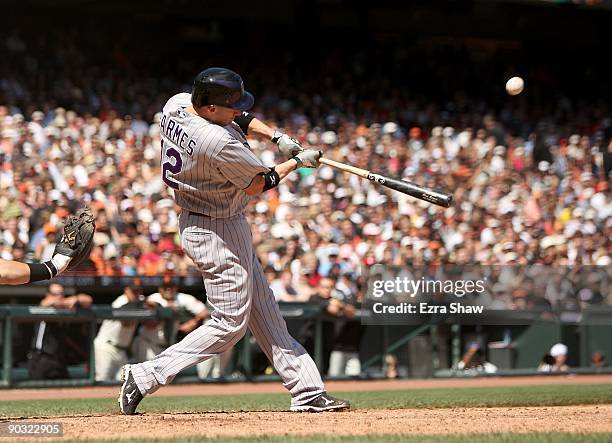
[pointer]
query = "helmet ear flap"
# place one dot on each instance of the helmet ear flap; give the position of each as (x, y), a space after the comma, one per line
(199, 97)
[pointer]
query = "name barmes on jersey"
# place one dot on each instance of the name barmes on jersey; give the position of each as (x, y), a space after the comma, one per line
(176, 133)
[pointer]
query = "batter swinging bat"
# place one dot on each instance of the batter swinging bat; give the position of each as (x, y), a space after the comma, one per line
(412, 189)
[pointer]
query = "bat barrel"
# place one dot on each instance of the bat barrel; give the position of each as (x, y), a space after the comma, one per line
(430, 195)
(433, 196)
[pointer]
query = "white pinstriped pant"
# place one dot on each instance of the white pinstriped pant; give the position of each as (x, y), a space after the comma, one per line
(239, 295)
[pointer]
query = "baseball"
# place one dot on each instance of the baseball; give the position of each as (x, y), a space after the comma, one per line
(515, 85)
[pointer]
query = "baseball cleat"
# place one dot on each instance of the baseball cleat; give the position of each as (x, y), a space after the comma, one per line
(130, 395)
(322, 403)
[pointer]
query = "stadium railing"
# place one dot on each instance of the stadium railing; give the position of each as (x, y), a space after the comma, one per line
(11, 315)
(584, 332)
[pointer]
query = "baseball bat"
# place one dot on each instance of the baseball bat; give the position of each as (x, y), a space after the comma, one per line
(429, 195)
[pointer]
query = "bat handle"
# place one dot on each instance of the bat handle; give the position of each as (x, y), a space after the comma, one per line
(344, 167)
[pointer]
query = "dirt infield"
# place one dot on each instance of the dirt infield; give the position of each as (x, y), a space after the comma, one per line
(577, 419)
(332, 386)
(422, 421)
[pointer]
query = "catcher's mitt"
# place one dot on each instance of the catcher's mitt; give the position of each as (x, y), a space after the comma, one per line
(77, 238)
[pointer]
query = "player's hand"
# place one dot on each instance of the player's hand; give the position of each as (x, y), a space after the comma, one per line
(349, 310)
(288, 146)
(308, 158)
(76, 241)
(71, 302)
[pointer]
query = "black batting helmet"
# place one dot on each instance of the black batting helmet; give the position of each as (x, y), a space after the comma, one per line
(221, 87)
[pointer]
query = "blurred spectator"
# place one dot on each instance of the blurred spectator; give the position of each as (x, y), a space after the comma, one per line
(52, 341)
(114, 337)
(333, 308)
(598, 360)
(547, 363)
(344, 357)
(530, 187)
(473, 361)
(554, 361)
(391, 366)
(284, 290)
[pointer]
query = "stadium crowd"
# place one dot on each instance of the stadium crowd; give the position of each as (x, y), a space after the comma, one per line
(530, 184)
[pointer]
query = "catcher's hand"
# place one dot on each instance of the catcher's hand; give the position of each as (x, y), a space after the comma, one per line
(77, 239)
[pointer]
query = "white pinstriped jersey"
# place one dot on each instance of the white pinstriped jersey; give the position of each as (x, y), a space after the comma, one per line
(208, 166)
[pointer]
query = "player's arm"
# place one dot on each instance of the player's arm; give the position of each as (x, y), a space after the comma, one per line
(253, 126)
(288, 146)
(194, 306)
(189, 325)
(271, 179)
(262, 182)
(72, 247)
(202, 315)
(241, 167)
(14, 273)
(17, 273)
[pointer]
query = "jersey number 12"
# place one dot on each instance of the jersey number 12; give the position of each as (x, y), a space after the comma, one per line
(169, 166)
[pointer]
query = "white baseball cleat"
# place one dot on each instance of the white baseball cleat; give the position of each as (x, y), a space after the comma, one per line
(130, 395)
(322, 403)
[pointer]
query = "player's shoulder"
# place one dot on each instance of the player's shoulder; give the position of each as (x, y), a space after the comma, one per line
(155, 296)
(185, 297)
(158, 299)
(189, 302)
(180, 100)
(236, 132)
(217, 137)
(218, 131)
(120, 301)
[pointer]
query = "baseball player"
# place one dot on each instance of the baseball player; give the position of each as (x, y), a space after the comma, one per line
(114, 336)
(72, 248)
(207, 161)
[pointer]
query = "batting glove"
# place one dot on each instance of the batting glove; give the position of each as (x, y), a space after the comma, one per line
(288, 146)
(308, 158)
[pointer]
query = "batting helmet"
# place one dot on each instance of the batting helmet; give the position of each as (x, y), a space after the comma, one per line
(221, 87)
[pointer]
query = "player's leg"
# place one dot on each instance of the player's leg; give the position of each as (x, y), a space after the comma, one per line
(109, 360)
(336, 364)
(296, 368)
(353, 364)
(139, 349)
(224, 361)
(14, 273)
(205, 368)
(143, 349)
(223, 251)
(214, 367)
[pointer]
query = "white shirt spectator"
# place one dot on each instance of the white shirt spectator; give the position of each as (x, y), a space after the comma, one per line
(118, 332)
